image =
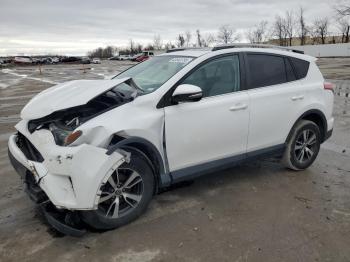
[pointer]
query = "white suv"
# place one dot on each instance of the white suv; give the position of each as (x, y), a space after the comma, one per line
(98, 150)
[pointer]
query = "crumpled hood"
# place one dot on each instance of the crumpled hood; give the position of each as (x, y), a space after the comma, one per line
(66, 95)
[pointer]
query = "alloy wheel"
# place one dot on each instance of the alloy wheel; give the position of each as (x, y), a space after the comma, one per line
(121, 193)
(305, 145)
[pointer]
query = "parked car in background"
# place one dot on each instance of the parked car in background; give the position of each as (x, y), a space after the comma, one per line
(96, 60)
(36, 60)
(55, 60)
(70, 59)
(22, 60)
(46, 60)
(144, 56)
(6, 60)
(2, 62)
(134, 57)
(85, 60)
(124, 57)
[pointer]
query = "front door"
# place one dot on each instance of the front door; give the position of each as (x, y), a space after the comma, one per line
(214, 128)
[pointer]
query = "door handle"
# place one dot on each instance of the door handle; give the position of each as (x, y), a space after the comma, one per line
(238, 107)
(294, 98)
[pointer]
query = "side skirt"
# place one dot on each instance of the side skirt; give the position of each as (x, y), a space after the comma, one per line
(220, 164)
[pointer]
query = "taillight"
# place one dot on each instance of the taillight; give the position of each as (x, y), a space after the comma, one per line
(329, 86)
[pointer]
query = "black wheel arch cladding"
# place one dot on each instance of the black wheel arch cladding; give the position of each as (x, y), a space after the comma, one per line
(315, 116)
(148, 151)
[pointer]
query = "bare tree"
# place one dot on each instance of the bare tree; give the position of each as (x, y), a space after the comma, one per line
(180, 40)
(258, 33)
(100, 52)
(188, 37)
(279, 29)
(302, 28)
(169, 45)
(321, 29)
(261, 31)
(108, 52)
(225, 34)
(289, 26)
(199, 38)
(343, 8)
(149, 47)
(208, 40)
(132, 46)
(344, 27)
(157, 42)
(139, 48)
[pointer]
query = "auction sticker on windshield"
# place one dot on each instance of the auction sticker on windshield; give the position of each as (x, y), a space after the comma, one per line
(181, 60)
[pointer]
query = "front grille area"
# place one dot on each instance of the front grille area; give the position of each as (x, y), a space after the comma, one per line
(28, 149)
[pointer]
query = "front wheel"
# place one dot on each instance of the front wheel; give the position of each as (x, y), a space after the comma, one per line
(303, 146)
(124, 196)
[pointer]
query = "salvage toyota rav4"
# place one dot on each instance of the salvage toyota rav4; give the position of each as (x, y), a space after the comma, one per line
(95, 151)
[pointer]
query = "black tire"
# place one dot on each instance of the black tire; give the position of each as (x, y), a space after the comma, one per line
(300, 155)
(97, 219)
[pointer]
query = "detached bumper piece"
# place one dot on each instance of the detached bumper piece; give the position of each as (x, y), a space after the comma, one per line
(64, 221)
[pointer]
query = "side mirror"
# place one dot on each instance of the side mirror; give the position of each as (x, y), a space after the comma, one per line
(187, 93)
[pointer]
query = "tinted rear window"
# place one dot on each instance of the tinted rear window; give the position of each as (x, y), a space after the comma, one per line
(301, 67)
(266, 70)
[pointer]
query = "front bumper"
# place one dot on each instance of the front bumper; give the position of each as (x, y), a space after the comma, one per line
(31, 186)
(69, 176)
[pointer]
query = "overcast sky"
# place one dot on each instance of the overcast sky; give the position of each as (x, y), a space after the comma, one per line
(74, 27)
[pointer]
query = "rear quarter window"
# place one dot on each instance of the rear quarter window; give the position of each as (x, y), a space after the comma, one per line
(301, 67)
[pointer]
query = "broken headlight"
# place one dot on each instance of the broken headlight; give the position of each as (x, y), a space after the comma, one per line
(64, 137)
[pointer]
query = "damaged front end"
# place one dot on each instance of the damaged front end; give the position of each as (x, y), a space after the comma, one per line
(63, 122)
(61, 175)
(68, 178)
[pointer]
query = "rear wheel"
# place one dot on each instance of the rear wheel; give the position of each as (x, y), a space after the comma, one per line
(124, 196)
(303, 146)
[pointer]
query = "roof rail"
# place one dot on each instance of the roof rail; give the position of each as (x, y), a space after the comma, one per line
(174, 50)
(186, 48)
(240, 45)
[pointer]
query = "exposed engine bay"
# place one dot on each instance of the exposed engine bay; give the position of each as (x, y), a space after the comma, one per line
(63, 122)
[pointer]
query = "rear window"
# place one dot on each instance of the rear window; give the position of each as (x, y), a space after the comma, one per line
(301, 67)
(266, 70)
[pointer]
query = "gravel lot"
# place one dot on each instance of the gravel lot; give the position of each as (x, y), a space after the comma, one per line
(254, 212)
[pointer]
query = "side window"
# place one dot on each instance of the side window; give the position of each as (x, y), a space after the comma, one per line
(217, 77)
(301, 67)
(266, 70)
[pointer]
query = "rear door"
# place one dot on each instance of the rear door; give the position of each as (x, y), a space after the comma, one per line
(276, 96)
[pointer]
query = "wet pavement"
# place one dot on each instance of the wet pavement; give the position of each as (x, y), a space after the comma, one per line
(258, 211)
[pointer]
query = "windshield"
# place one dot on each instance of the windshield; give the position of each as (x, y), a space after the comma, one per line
(153, 73)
